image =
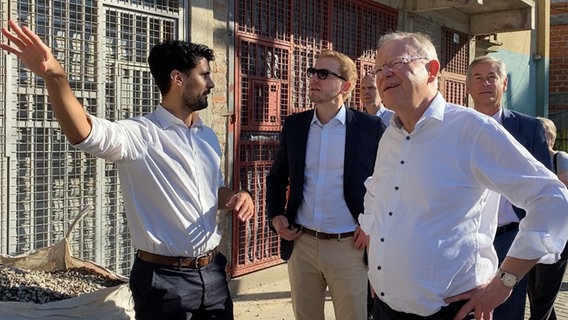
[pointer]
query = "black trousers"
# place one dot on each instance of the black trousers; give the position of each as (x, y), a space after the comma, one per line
(382, 311)
(543, 286)
(181, 293)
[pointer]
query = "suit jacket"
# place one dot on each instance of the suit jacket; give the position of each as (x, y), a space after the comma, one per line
(530, 133)
(363, 132)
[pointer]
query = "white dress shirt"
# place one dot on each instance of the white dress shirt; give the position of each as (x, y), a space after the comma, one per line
(426, 207)
(170, 176)
(323, 206)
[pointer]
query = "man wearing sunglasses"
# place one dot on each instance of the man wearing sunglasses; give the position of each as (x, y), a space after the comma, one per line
(324, 157)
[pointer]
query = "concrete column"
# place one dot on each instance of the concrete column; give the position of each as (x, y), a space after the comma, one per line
(541, 56)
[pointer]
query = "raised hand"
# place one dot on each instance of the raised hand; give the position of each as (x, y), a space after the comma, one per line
(31, 50)
(38, 58)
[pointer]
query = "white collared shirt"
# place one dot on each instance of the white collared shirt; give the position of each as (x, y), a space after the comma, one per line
(426, 207)
(323, 206)
(169, 174)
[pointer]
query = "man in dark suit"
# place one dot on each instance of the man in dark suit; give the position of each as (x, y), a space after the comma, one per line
(324, 157)
(486, 83)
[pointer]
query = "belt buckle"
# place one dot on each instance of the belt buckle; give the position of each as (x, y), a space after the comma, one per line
(195, 263)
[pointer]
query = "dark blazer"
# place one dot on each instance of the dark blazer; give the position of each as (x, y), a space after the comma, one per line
(529, 132)
(363, 132)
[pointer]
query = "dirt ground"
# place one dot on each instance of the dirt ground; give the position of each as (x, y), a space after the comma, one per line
(265, 294)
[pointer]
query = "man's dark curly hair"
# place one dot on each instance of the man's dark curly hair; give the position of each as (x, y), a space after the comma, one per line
(175, 55)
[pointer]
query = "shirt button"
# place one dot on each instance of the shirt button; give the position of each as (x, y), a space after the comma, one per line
(390, 213)
(395, 188)
(382, 294)
(402, 162)
(379, 268)
(382, 239)
(407, 137)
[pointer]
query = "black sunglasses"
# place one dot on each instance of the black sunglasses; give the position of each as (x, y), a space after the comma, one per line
(323, 73)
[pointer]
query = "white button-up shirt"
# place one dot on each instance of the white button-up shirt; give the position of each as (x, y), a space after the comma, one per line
(323, 206)
(432, 219)
(169, 174)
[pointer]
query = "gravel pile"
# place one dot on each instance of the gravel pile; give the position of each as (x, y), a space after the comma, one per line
(43, 287)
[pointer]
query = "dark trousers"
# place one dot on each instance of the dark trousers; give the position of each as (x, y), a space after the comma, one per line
(544, 282)
(382, 311)
(370, 301)
(181, 293)
(514, 307)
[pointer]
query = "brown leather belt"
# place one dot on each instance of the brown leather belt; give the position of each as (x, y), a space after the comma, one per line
(190, 262)
(326, 236)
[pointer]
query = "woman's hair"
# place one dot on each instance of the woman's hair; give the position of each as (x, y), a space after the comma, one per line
(549, 130)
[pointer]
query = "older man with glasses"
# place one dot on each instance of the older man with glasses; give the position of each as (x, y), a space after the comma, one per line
(324, 157)
(429, 210)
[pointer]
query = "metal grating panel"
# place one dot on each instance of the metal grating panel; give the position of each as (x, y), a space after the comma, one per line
(455, 60)
(261, 64)
(455, 51)
(167, 6)
(4, 165)
(310, 24)
(356, 31)
(258, 245)
(302, 58)
(358, 26)
(455, 90)
(48, 185)
(269, 19)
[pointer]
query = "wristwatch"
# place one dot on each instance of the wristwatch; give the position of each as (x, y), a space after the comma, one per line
(509, 279)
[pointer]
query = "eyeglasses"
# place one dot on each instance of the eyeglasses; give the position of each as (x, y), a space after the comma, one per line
(395, 64)
(323, 73)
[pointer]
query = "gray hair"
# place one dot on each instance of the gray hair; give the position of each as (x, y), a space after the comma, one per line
(500, 65)
(419, 41)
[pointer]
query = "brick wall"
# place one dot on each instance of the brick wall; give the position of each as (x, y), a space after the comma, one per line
(558, 75)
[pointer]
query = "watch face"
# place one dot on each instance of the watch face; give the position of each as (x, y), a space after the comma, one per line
(508, 279)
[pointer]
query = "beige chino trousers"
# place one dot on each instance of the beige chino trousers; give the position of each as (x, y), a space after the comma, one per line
(317, 264)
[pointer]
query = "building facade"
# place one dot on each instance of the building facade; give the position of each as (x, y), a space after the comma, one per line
(263, 48)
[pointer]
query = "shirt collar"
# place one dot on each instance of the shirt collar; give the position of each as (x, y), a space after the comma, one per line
(498, 116)
(381, 110)
(167, 119)
(435, 111)
(340, 116)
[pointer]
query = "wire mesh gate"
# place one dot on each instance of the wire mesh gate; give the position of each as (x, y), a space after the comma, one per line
(276, 41)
